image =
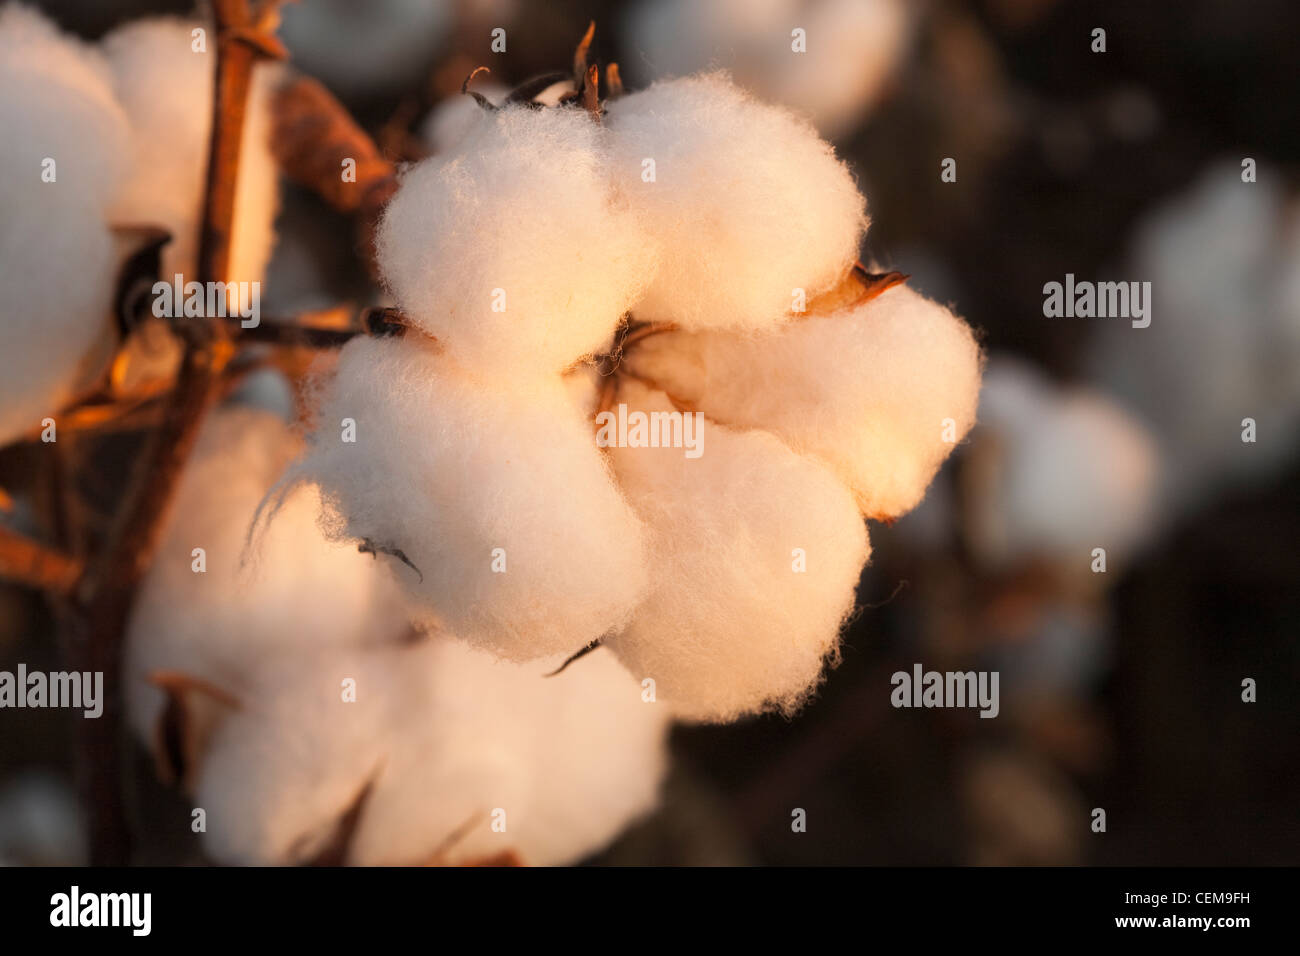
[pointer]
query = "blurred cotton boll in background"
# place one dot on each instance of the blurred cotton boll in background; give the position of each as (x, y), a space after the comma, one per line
(853, 49)
(441, 742)
(211, 616)
(1224, 340)
(64, 155)
(1056, 472)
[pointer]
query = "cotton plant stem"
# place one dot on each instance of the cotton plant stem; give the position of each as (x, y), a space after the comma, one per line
(24, 561)
(97, 615)
(316, 142)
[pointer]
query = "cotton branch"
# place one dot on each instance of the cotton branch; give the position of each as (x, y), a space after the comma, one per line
(104, 595)
(317, 142)
(27, 562)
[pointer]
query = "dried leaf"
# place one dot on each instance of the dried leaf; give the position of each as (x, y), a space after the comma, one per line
(369, 547)
(613, 82)
(192, 711)
(580, 55)
(479, 98)
(138, 273)
(582, 653)
(335, 853)
(525, 91)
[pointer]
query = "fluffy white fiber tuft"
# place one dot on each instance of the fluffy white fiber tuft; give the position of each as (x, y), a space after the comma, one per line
(731, 627)
(455, 116)
(1224, 341)
(571, 759)
(512, 250)
(58, 260)
(867, 388)
(448, 468)
(302, 591)
(166, 88)
(1057, 472)
(446, 736)
(747, 203)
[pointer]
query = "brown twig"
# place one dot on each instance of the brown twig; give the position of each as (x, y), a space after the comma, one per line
(314, 138)
(97, 617)
(28, 562)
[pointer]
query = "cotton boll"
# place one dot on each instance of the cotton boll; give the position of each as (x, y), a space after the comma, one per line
(748, 203)
(731, 625)
(30, 43)
(1221, 346)
(366, 49)
(512, 250)
(443, 735)
(570, 760)
(280, 773)
(853, 49)
(869, 388)
(1056, 473)
(62, 158)
(301, 591)
(40, 821)
(493, 490)
(166, 87)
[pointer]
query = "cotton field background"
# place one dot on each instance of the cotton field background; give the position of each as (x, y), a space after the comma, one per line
(978, 324)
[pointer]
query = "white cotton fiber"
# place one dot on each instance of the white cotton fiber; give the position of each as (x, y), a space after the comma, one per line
(731, 625)
(300, 590)
(512, 250)
(1222, 345)
(279, 773)
(465, 475)
(570, 759)
(58, 260)
(455, 116)
(166, 88)
(446, 736)
(868, 388)
(747, 203)
(1056, 472)
(853, 48)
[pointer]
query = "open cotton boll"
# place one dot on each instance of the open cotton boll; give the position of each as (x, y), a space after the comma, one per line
(881, 390)
(493, 490)
(1221, 346)
(512, 250)
(747, 202)
(61, 159)
(301, 591)
(1057, 472)
(443, 735)
(166, 87)
(570, 760)
(280, 772)
(756, 553)
(853, 49)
